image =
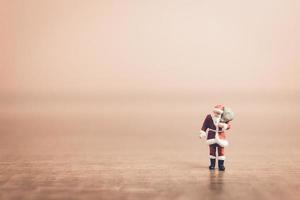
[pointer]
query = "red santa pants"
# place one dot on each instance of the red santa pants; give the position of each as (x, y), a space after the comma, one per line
(213, 149)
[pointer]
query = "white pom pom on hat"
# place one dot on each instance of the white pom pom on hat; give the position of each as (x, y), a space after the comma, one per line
(219, 108)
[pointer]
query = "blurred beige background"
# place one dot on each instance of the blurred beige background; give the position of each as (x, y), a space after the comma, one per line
(126, 85)
(70, 46)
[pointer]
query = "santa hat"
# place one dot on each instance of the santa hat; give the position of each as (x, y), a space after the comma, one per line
(219, 108)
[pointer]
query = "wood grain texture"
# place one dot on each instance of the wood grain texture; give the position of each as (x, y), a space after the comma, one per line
(145, 156)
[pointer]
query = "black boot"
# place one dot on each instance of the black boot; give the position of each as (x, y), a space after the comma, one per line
(212, 164)
(221, 165)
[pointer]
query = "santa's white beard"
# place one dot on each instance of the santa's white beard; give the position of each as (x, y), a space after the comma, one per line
(216, 119)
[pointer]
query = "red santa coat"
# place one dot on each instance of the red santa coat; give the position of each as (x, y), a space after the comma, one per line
(210, 129)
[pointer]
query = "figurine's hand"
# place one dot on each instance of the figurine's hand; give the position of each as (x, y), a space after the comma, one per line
(223, 125)
(202, 134)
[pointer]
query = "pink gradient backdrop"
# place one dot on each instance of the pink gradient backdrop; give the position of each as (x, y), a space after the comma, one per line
(144, 46)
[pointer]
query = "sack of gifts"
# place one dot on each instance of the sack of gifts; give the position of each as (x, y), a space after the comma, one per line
(227, 115)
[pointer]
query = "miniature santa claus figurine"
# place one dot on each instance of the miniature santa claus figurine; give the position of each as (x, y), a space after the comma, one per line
(213, 128)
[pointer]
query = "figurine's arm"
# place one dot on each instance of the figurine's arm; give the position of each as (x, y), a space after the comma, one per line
(203, 129)
(225, 126)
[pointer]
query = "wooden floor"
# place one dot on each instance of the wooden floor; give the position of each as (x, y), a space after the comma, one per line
(147, 156)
